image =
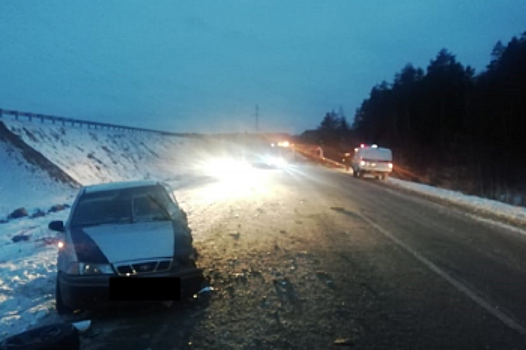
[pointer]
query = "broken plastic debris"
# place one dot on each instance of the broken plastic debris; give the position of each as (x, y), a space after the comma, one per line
(206, 290)
(82, 326)
(344, 342)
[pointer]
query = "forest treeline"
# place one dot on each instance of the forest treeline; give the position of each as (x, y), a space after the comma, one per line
(447, 125)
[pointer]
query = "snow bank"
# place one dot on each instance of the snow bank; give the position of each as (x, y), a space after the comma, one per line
(23, 184)
(507, 211)
(92, 156)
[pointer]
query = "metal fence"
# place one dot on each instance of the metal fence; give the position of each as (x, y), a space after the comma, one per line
(18, 115)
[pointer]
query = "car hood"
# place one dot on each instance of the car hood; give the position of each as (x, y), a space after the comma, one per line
(125, 242)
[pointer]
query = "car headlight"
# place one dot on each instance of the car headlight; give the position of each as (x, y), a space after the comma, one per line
(96, 269)
(78, 268)
(362, 163)
(390, 165)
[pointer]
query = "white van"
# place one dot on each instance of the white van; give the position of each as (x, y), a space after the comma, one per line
(372, 160)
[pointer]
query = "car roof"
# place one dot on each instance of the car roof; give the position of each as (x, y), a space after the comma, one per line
(119, 185)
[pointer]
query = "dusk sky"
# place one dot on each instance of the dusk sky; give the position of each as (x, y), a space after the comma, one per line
(202, 66)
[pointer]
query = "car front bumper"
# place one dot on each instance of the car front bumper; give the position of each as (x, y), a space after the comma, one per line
(81, 292)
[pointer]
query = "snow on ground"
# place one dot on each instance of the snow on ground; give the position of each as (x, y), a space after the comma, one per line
(93, 156)
(506, 211)
(27, 272)
(513, 213)
(20, 181)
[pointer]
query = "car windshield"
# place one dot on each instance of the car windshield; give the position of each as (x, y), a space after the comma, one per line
(122, 206)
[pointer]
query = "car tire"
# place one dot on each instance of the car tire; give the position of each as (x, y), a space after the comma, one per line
(61, 308)
(63, 336)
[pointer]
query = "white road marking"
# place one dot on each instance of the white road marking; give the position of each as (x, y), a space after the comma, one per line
(504, 318)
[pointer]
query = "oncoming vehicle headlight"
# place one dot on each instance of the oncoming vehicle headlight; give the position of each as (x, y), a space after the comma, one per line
(277, 161)
(390, 165)
(362, 163)
(76, 268)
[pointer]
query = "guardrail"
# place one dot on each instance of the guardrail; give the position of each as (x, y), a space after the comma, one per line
(78, 122)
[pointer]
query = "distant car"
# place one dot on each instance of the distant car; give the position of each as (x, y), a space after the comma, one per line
(372, 160)
(122, 229)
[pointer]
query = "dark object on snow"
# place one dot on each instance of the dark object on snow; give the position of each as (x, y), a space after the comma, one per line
(18, 213)
(58, 336)
(21, 237)
(38, 214)
(56, 226)
(56, 208)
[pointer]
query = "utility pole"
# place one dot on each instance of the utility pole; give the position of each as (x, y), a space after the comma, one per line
(257, 118)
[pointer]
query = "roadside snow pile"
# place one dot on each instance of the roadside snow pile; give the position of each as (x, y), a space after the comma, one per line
(28, 254)
(506, 211)
(92, 156)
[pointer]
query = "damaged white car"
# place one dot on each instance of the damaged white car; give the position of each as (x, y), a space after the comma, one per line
(118, 230)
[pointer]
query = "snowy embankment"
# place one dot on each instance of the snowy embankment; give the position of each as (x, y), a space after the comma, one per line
(27, 178)
(44, 178)
(487, 208)
(92, 156)
(507, 212)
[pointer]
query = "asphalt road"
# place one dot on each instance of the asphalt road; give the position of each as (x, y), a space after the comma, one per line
(304, 258)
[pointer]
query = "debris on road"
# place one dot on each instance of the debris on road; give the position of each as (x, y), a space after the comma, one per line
(82, 326)
(343, 342)
(235, 235)
(207, 289)
(337, 208)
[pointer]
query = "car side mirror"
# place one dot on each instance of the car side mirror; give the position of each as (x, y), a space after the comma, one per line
(56, 226)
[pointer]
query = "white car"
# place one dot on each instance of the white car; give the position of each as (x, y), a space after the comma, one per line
(372, 160)
(122, 229)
